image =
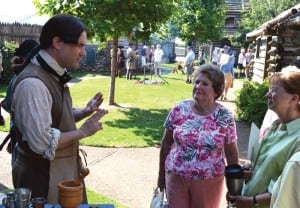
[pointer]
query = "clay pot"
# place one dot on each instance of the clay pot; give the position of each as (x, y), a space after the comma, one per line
(70, 193)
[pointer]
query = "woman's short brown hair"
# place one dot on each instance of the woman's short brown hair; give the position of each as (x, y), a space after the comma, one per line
(290, 81)
(215, 75)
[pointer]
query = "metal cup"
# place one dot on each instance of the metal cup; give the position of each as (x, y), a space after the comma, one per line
(10, 200)
(234, 175)
(38, 202)
(22, 197)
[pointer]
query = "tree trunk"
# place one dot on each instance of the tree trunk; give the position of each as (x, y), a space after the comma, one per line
(111, 99)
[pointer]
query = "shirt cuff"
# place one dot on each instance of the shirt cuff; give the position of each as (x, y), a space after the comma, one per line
(54, 135)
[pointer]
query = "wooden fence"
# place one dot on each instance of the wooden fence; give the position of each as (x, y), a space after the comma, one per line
(96, 60)
(18, 32)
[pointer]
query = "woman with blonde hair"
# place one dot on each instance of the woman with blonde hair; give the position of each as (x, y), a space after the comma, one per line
(278, 145)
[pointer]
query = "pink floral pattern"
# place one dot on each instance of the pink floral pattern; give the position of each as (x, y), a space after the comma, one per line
(198, 148)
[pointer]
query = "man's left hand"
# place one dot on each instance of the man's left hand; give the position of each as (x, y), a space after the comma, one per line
(94, 103)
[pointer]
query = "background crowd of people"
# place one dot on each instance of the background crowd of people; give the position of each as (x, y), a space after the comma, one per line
(128, 63)
(225, 59)
(131, 60)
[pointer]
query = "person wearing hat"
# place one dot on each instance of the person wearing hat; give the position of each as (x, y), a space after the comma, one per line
(23, 51)
(45, 120)
(20, 55)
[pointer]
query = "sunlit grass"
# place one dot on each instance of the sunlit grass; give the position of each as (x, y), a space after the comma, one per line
(137, 118)
(96, 198)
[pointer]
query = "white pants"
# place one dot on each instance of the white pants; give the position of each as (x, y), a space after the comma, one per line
(144, 60)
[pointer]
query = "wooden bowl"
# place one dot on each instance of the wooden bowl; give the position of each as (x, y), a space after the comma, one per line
(70, 193)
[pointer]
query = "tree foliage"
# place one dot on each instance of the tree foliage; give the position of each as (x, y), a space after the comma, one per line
(7, 49)
(200, 20)
(262, 11)
(106, 18)
(112, 19)
(168, 31)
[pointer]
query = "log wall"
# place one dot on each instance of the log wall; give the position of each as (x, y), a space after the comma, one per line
(277, 44)
(276, 51)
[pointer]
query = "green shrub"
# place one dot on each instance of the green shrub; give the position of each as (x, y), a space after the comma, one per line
(251, 102)
(7, 50)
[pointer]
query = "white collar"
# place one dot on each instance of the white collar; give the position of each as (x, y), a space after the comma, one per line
(52, 62)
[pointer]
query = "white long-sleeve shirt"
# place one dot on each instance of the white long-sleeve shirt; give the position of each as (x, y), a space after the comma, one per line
(158, 54)
(32, 101)
(190, 57)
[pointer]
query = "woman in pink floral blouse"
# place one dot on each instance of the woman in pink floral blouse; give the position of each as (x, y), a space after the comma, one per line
(198, 142)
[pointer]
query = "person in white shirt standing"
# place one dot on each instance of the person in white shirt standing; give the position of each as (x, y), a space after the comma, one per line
(242, 63)
(144, 54)
(188, 62)
(158, 55)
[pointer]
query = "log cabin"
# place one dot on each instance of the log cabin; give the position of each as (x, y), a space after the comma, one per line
(276, 44)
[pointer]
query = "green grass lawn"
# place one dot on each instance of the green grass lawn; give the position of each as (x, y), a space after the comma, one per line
(96, 198)
(137, 119)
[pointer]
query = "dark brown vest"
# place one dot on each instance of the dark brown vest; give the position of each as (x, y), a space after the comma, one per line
(62, 117)
(61, 112)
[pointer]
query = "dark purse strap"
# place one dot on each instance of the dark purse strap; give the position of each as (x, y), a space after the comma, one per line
(4, 141)
(2, 121)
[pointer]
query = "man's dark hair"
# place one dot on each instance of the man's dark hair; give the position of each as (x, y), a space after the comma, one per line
(67, 27)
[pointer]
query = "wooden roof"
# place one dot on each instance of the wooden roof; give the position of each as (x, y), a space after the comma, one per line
(274, 24)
